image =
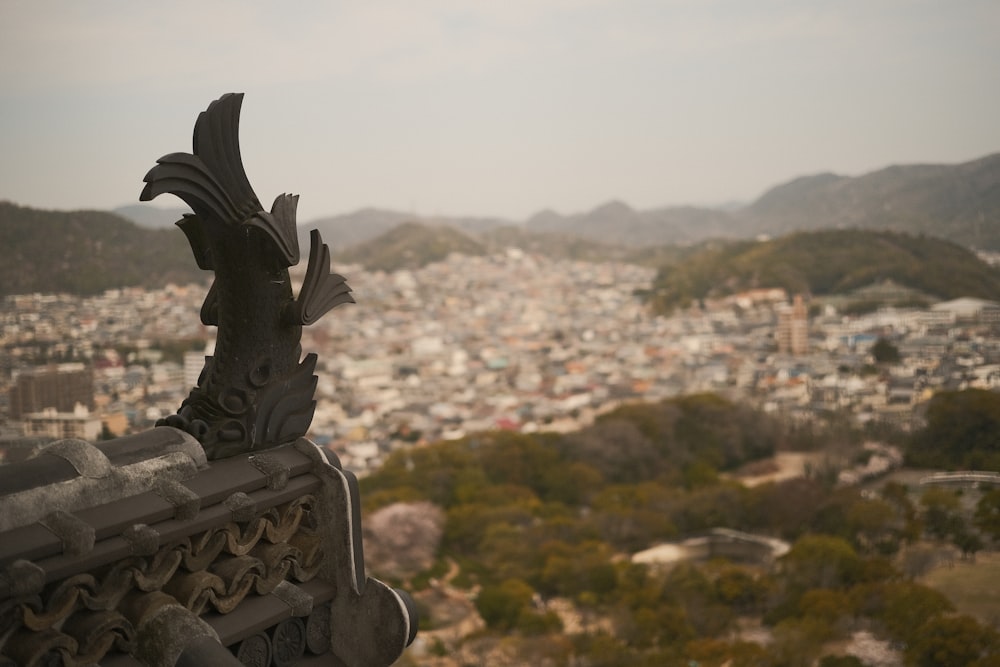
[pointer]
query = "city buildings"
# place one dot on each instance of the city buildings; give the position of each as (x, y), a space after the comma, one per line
(49, 423)
(59, 387)
(515, 341)
(793, 328)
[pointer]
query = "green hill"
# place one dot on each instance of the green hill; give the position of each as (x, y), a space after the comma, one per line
(410, 246)
(826, 263)
(959, 202)
(87, 252)
(536, 531)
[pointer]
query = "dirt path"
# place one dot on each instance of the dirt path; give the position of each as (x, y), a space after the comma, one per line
(788, 465)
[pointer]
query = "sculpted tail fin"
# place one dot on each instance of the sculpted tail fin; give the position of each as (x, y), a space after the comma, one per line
(279, 225)
(322, 290)
(217, 144)
(211, 180)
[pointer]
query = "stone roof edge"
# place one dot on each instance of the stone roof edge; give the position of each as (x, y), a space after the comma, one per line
(98, 479)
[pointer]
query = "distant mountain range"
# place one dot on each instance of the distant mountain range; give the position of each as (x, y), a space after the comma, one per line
(88, 251)
(958, 202)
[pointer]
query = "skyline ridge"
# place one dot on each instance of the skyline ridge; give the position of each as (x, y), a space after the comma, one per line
(727, 205)
(503, 109)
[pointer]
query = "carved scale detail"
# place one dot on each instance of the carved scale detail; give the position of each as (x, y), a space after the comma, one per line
(256, 391)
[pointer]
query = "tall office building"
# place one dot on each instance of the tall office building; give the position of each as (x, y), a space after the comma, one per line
(793, 328)
(48, 423)
(59, 386)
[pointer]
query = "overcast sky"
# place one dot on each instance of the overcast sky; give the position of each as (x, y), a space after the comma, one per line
(458, 107)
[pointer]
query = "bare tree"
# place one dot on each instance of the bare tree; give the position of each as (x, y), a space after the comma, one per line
(402, 539)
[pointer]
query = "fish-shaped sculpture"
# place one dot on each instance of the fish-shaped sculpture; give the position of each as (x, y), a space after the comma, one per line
(256, 391)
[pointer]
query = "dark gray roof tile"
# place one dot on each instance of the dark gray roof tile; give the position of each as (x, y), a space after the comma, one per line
(225, 477)
(20, 579)
(143, 540)
(88, 460)
(185, 502)
(76, 475)
(31, 542)
(76, 535)
(41, 470)
(65, 565)
(114, 517)
(152, 443)
(258, 613)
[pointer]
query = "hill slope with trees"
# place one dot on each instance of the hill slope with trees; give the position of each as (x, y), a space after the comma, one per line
(410, 246)
(538, 529)
(87, 252)
(959, 202)
(827, 262)
(347, 230)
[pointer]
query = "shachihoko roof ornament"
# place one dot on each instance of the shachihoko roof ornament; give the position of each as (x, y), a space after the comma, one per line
(254, 392)
(223, 536)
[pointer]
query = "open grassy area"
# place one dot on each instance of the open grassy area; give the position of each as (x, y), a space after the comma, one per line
(974, 587)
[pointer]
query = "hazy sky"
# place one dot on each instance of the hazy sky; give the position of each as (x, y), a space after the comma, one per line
(458, 107)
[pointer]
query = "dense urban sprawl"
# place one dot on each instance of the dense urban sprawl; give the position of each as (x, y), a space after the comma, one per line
(512, 341)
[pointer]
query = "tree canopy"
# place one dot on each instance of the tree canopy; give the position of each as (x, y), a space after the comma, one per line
(533, 518)
(962, 432)
(826, 262)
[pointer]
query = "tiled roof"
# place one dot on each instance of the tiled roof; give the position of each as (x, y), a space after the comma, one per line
(138, 551)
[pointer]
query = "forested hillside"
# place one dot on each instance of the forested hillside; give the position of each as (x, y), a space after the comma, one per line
(86, 252)
(827, 262)
(410, 246)
(959, 202)
(538, 530)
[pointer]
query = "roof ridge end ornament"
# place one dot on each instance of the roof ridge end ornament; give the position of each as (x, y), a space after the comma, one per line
(255, 391)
